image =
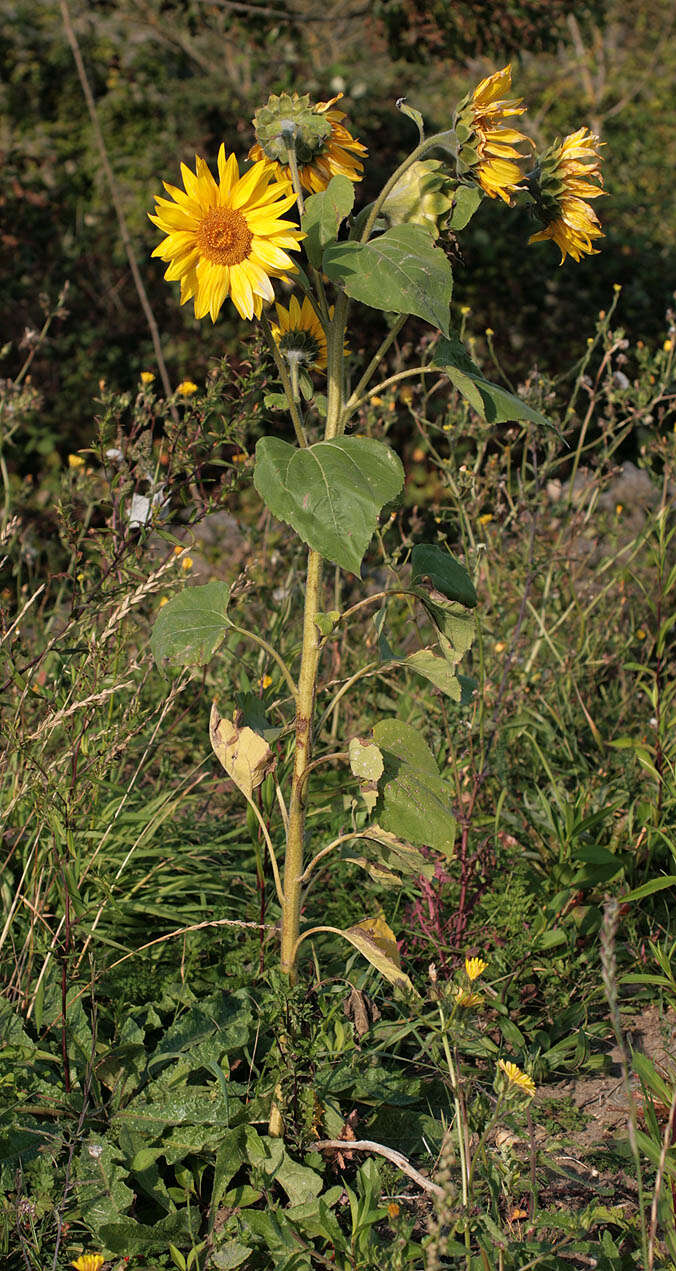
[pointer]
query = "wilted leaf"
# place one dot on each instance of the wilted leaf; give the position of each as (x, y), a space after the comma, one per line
(244, 754)
(376, 941)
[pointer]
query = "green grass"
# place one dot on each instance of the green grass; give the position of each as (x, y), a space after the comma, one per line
(147, 1035)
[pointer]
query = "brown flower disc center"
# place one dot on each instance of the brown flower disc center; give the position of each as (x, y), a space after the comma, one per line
(223, 236)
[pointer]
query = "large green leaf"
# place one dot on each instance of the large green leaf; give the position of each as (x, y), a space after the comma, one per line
(323, 216)
(445, 573)
(401, 271)
(416, 801)
(191, 625)
(331, 493)
(494, 404)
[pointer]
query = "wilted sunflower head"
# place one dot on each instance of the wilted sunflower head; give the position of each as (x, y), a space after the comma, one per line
(561, 186)
(487, 144)
(227, 237)
(324, 148)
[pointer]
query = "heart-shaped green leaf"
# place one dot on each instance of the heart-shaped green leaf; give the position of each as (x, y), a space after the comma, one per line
(331, 493)
(401, 271)
(189, 628)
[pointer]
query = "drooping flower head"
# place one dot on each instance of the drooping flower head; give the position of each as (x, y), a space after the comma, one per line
(562, 183)
(300, 334)
(467, 997)
(324, 147)
(226, 237)
(487, 144)
(88, 1262)
(516, 1077)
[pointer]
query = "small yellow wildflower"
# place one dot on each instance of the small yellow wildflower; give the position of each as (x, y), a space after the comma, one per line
(393, 1210)
(76, 461)
(500, 646)
(486, 518)
(619, 508)
(187, 563)
(465, 309)
(240, 457)
(640, 633)
(376, 401)
(516, 1077)
(164, 601)
(88, 1262)
(667, 346)
(265, 682)
(489, 331)
(474, 967)
(617, 286)
(186, 388)
(467, 997)
(147, 377)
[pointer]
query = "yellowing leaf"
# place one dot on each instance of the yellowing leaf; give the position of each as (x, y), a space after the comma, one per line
(245, 755)
(366, 760)
(377, 943)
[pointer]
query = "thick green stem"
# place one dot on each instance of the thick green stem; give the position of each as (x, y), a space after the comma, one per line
(307, 683)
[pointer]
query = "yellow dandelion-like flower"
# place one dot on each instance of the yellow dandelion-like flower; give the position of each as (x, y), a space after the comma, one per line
(76, 461)
(322, 152)
(226, 238)
(516, 1077)
(187, 563)
(88, 1262)
(299, 334)
(265, 682)
(474, 967)
(147, 377)
(564, 184)
(186, 388)
(164, 600)
(467, 997)
(488, 145)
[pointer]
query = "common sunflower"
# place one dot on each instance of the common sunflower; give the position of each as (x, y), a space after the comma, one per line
(324, 147)
(299, 333)
(226, 238)
(488, 145)
(562, 185)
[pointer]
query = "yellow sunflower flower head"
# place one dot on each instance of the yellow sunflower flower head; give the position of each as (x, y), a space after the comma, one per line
(487, 144)
(300, 335)
(88, 1262)
(516, 1078)
(563, 182)
(324, 147)
(226, 237)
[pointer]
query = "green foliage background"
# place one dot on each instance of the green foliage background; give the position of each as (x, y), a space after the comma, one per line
(171, 78)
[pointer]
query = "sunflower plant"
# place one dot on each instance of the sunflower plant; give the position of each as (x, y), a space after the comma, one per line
(286, 219)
